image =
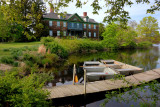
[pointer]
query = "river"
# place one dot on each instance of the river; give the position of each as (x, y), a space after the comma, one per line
(143, 58)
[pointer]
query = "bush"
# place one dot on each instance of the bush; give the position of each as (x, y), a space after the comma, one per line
(7, 60)
(32, 58)
(6, 49)
(144, 44)
(26, 91)
(130, 45)
(111, 43)
(57, 49)
(45, 40)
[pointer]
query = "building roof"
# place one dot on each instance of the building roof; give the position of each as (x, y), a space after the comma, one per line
(53, 15)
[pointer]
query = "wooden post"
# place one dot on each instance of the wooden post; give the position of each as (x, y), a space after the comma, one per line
(74, 71)
(85, 82)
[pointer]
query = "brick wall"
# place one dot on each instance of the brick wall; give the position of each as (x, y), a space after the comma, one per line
(56, 28)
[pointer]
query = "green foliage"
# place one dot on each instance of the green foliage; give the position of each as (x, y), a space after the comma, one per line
(26, 91)
(147, 91)
(50, 60)
(24, 18)
(101, 30)
(117, 37)
(7, 60)
(4, 28)
(45, 40)
(63, 47)
(148, 29)
(145, 44)
(57, 49)
(111, 43)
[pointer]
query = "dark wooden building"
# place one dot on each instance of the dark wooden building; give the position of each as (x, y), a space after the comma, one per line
(71, 25)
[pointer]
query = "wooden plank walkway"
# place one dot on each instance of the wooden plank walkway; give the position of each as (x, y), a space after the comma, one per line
(104, 85)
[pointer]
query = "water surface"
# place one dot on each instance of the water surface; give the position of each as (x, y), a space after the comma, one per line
(143, 58)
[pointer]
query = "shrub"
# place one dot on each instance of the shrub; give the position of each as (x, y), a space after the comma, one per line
(57, 49)
(32, 58)
(144, 44)
(6, 49)
(26, 91)
(110, 43)
(130, 45)
(45, 40)
(7, 60)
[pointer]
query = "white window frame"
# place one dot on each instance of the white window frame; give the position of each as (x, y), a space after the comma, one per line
(94, 34)
(77, 25)
(94, 26)
(84, 25)
(58, 33)
(58, 23)
(72, 25)
(64, 24)
(64, 33)
(50, 33)
(50, 23)
(90, 34)
(89, 26)
(84, 33)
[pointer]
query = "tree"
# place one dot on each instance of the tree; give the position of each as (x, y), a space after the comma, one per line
(27, 14)
(133, 24)
(4, 28)
(117, 37)
(101, 30)
(148, 28)
(115, 8)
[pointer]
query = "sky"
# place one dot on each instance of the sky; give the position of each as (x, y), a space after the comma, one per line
(137, 11)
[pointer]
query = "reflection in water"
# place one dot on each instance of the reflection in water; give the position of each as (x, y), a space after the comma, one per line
(146, 58)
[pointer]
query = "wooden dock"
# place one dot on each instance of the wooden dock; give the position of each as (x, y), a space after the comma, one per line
(104, 85)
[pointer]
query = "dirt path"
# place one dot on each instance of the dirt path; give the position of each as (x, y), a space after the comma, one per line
(4, 67)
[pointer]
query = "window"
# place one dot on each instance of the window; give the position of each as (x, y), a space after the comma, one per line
(58, 33)
(50, 32)
(72, 24)
(50, 23)
(64, 33)
(94, 34)
(58, 23)
(89, 26)
(84, 25)
(84, 33)
(89, 34)
(77, 25)
(94, 26)
(64, 24)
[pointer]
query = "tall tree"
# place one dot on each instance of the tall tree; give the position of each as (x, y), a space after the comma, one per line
(26, 13)
(133, 24)
(148, 28)
(4, 28)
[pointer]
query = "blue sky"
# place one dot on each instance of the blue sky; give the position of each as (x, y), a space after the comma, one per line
(137, 11)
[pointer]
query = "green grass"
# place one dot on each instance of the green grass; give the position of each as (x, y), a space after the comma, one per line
(4, 46)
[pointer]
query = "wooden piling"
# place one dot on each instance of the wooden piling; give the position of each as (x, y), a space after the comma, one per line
(74, 72)
(84, 82)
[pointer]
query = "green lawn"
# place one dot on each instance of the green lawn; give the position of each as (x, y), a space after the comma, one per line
(14, 45)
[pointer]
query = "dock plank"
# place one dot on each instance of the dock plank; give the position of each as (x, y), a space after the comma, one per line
(104, 85)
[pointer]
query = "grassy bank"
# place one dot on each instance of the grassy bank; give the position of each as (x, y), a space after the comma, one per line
(5, 48)
(64, 47)
(53, 51)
